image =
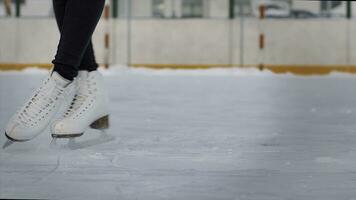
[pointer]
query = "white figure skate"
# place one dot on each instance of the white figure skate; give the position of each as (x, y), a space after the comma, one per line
(88, 108)
(33, 118)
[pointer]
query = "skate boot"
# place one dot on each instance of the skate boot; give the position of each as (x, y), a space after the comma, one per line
(33, 118)
(88, 108)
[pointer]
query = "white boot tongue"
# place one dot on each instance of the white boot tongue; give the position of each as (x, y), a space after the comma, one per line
(59, 80)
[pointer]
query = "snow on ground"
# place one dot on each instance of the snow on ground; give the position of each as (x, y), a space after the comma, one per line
(208, 134)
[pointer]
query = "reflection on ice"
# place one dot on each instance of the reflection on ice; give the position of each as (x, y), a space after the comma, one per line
(101, 137)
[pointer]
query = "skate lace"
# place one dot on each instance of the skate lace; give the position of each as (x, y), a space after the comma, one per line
(40, 104)
(77, 102)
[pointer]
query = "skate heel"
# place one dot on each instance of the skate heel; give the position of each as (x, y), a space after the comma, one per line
(101, 124)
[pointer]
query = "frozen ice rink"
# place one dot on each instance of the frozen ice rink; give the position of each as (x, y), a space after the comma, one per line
(194, 135)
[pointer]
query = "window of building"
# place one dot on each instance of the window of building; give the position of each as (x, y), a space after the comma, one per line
(242, 7)
(328, 5)
(329, 8)
(192, 8)
(158, 8)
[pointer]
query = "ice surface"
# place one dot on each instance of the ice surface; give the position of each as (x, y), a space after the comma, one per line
(209, 134)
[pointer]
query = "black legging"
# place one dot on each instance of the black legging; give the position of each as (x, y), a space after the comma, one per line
(76, 20)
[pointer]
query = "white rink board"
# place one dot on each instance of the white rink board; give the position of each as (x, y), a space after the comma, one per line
(223, 134)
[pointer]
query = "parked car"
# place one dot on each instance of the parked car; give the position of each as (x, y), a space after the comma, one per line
(302, 14)
(273, 9)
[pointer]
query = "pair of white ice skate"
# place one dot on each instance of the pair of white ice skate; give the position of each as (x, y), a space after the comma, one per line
(89, 107)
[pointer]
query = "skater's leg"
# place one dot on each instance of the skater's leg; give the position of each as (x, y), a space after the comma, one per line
(35, 115)
(79, 22)
(88, 61)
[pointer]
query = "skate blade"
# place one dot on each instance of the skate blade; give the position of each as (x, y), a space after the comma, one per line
(68, 136)
(14, 140)
(7, 144)
(10, 141)
(101, 124)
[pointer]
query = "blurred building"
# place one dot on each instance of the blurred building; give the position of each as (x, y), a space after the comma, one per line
(221, 8)
(198, 8)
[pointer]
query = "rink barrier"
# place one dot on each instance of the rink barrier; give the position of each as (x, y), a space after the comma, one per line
(22, 66)
(262, 37)
(107, 34)
(278, 69)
